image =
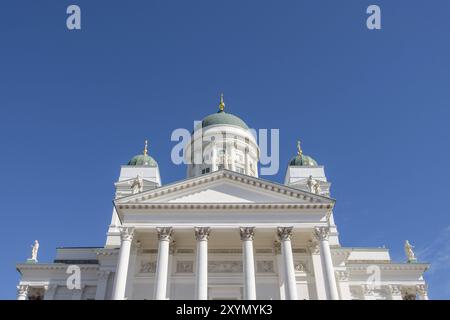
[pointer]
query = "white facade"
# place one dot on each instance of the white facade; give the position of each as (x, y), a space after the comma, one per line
(223, 233)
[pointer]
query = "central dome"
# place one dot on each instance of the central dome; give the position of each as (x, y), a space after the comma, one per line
(223, 118)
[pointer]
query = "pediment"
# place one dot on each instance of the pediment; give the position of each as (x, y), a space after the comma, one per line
(225, 187)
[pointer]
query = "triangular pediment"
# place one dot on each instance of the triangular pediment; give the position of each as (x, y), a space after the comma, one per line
(225, 187)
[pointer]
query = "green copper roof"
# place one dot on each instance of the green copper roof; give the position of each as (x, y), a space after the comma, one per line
(223, 118)
(302, 160)
(143, 160)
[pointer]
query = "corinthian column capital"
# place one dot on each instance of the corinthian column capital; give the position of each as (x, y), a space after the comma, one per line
(164, 233)
(395, 289)
(284, 233)
(247, 233)
(126, 233)
(321, 233)
(422, 291)
(202, 233)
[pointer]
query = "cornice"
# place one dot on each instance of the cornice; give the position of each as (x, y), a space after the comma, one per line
(220, 206)
(390, 266)
(107, 252)
(53, 266)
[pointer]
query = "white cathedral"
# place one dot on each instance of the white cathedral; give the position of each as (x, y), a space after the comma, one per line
(222, 233)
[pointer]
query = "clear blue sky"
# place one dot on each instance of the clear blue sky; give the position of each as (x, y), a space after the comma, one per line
(372, 106)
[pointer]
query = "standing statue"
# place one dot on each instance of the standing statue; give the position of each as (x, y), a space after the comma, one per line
(34, 251)
(313, 185)
(137, 185)
(317, 189)
(409, 252)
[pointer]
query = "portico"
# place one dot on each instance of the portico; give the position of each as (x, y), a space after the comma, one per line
(206, 256)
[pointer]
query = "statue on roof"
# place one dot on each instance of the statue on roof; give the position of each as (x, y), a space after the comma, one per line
(34, 250)
(137, 185)
(409, 252)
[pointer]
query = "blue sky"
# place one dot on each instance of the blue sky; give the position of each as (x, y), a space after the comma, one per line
(372, 106)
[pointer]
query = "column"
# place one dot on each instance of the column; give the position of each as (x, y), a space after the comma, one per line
(102, 284)
(172, 249)
(120, 280)
(321, 290)
(247, 235)
(280, 268)
(201, 276)
(422, 291)
(22, 292)
(233, 148)
(322, 234)
(213, 157)
(162, 262)
(395, 291)
(247, 162)
(285, 233)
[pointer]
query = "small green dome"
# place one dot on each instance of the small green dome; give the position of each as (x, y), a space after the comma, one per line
(143, 160)
(223, 118)
(302, 160)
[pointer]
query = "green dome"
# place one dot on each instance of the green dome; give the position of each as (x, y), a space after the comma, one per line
(223, 118)
(302, 160)
(143, 160)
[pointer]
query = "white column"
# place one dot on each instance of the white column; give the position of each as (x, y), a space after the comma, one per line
(213, 157)
(285, 233)
(322, 234)
(201, 276)
(247, 161)
(170, 270)
(321, 289)
(422, 291)
(247, 234)
(395, 291)
(281, 269)
(22, 292)
(162, 263)
(120, 280)
(102, 284)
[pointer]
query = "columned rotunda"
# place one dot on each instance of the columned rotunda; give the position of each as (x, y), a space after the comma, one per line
(222, 233)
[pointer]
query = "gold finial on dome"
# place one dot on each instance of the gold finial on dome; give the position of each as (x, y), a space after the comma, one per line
(222, 104)
(299, 148)
(146, 147)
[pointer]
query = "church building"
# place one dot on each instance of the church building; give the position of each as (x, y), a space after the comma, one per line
(222, 233)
